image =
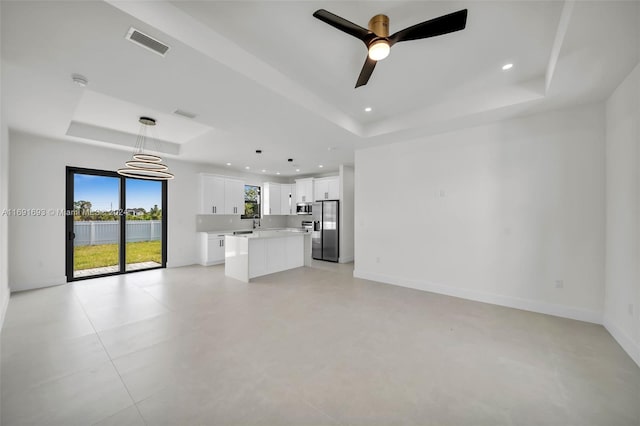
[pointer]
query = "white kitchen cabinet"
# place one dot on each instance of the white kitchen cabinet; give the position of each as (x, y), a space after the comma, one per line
(271, 197)
(294, 252)
(304, 190)
(234, 196)
(265, 252)
(258, 258)
(211, 249)
(287, 199)
(276, 254)
(327, 188)
(212, 195)
(221, 195)
(278, 198)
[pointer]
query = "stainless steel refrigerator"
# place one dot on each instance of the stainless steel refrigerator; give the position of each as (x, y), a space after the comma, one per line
(325, 235)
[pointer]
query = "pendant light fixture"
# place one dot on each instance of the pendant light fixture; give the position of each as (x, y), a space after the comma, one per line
(145, 166)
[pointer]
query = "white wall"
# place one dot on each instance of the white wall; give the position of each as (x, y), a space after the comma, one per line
(497, 213)
(622, 285)
(4, 204)
(37, 180)
(4, 220)
(346, 213)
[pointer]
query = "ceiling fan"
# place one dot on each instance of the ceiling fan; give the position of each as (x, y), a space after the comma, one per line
(377, 38)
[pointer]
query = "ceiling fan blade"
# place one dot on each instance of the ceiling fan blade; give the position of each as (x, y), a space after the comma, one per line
(367, 69)
(343, 25)
(445, 24)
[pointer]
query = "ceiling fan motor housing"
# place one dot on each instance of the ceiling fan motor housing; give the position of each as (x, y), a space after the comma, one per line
(379, 25)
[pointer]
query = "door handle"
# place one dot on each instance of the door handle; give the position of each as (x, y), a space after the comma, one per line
(72, 236)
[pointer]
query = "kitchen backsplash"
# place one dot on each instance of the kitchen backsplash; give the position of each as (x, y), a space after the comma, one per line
(210, 222)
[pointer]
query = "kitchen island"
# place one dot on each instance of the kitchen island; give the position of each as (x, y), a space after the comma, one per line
(260, 253)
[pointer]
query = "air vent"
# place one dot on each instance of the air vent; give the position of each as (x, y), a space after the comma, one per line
(185, 113)
(147, 42)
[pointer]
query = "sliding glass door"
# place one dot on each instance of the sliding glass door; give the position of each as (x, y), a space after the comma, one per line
(114, 224)
(143, 224)
(96, 230)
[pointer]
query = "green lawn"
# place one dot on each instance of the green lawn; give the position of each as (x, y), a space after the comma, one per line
(87, 257)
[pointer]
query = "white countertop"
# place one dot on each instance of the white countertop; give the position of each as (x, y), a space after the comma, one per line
(271, 233)
(259, 232)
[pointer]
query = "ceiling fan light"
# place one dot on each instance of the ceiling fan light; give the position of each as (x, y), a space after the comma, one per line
(379, 50)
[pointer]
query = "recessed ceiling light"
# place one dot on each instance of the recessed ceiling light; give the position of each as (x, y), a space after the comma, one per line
(277, 173)
(507, 67)
(247, 167)
(297, 170)
(320, 165)
(368, 109)
(264, 170)
(228, 164)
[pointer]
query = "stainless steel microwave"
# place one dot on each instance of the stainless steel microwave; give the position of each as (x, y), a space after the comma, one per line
(303, 208)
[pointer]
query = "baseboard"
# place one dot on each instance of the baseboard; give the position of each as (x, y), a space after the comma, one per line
(215, 262)
(345, 259)
(495, 299)
(181, 264)
(43, 284)
(631, 348)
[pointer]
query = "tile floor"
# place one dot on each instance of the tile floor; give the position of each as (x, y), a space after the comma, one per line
(310, 346)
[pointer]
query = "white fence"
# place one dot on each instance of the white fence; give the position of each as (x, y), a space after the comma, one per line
(90, 233)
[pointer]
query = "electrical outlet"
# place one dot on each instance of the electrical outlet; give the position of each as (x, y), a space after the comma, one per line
(630, 309)
(377, 260)
(442, 193)
(559, 284)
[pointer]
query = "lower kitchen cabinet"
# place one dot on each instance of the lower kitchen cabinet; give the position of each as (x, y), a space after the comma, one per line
(211, 249)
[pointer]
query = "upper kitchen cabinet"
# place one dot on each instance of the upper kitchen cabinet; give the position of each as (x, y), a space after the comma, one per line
(234, 196)
(221, 195)
(327, 188)
(304, 190)
(287, 198)
(212, 196)
(271, 194)
(278, 198)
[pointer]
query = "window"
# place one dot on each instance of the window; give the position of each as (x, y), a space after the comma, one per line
(251, 202)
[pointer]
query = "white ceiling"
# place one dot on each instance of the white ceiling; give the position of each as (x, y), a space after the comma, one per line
(268, 75)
